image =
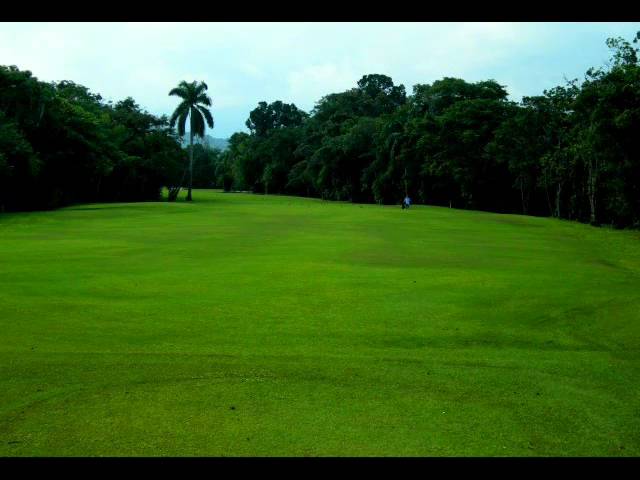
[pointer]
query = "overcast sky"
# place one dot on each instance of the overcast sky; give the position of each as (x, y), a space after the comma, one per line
(244, 63)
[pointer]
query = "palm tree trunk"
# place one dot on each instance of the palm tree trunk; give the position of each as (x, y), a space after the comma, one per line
(190, 163)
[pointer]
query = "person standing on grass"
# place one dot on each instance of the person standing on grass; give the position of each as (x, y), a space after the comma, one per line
(406, 203)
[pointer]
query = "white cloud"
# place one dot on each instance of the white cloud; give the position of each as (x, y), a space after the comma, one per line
(308, 85)
(251, 69)
(465, 48)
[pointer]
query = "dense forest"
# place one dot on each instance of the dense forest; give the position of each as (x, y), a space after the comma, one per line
(62, 144)
(572, 152)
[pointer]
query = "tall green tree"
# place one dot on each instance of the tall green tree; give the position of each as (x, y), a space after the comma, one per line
(60, 144)
(266, 118)
(194, 106)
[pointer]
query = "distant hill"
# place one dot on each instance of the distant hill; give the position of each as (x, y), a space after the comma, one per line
(212, 142)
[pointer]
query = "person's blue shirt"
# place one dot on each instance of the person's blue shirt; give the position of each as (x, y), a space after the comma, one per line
(407, 200)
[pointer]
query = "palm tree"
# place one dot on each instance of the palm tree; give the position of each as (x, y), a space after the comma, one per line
(194, 105)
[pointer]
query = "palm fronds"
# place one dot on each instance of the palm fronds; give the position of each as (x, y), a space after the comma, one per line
(193, 106)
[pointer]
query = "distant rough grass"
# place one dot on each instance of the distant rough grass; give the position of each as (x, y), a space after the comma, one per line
(270, 325)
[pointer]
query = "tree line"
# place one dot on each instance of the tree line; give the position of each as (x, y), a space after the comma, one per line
(572, 152)
(62, 144)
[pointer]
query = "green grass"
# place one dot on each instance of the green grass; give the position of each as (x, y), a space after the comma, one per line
(252, 325)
